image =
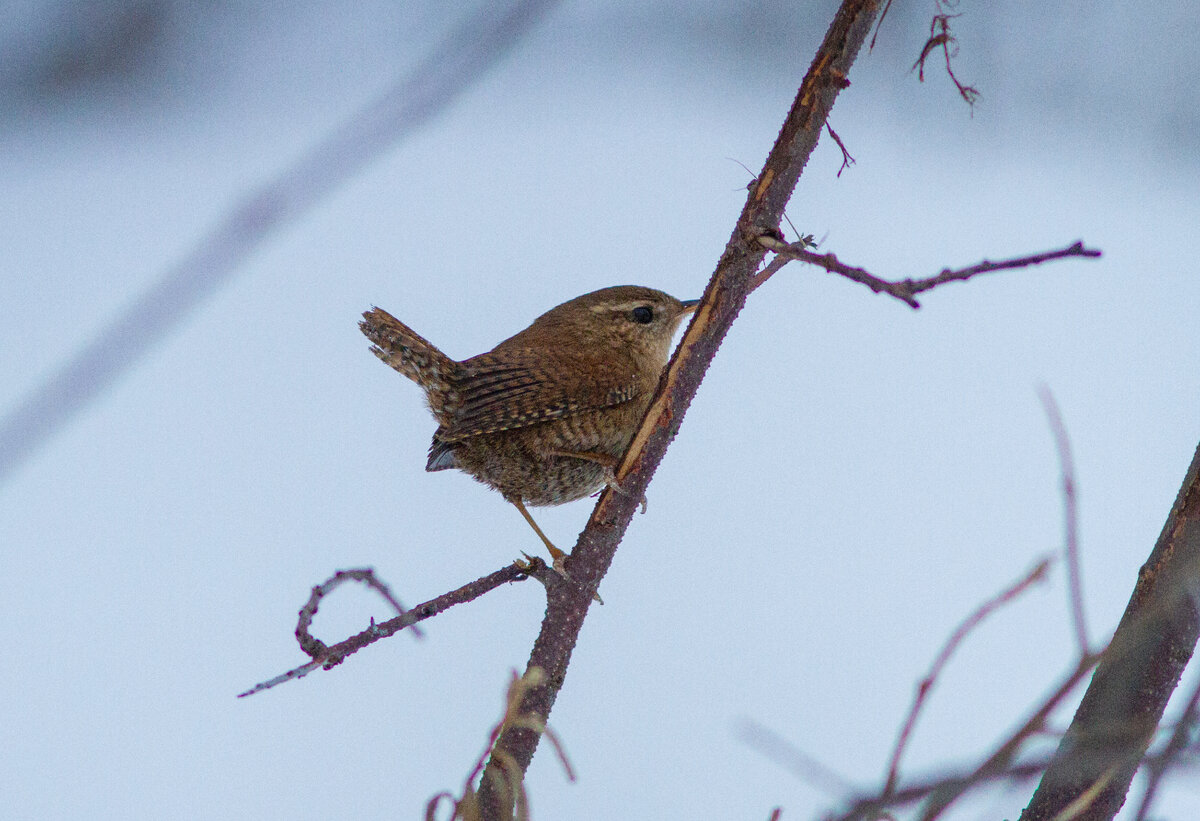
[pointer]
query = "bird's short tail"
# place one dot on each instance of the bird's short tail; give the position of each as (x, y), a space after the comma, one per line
(408, 352)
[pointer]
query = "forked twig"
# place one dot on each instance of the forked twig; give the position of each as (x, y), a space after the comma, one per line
(940, 37)
(847, 160)
(1038, 573)
(1002, 759)
(906, 290)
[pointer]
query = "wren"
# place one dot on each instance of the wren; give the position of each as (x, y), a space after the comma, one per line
(545, 416)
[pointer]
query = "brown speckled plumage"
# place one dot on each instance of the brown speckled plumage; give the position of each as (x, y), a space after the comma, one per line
(577, 380)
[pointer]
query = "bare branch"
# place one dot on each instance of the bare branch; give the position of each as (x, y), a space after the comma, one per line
(906, 290)
(1038, 573)
(873, 808)
(314, 646)
(335, 654)
(1071, 515)
(467, 807)
(1158, 766)
(1118, 715)
(1001, 760)
(879, 24)
(567, 605)
(768, 271)
(939, 793)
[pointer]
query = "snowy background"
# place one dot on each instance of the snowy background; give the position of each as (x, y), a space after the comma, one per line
(852, 479)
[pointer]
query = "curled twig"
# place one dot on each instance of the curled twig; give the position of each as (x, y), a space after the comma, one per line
(314, 646)
(335, 654)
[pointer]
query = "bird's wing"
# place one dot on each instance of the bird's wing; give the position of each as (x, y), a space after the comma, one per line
(518, 387)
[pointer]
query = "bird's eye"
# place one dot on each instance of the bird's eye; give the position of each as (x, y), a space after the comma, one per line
(642, 314)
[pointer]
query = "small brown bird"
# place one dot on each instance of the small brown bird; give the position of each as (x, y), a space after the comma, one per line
(545, 416)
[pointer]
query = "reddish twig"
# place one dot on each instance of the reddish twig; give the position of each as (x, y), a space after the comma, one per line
(1038, 573)
(879, 24)
(1070, 514)
(335, 654)
(768, 271)
(906, 290)
(940, 37)
(847, 160)
(724, 297)
(875, 808)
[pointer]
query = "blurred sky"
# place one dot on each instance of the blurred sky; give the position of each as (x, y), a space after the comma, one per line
(852, 479)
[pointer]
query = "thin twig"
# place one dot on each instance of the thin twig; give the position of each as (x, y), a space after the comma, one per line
(724, 297)
(1001, 760)
(1156, 637)
(906, 290)
(1038, 573)
(1071, 515)
(942, 791)
(314, 646)
(879, 24)
(768, 271)
(847, 160)
(337, 653)
(873, 807)
(940, 37)
(467, 807)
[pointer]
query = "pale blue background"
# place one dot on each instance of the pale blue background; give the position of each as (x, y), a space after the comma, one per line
(852, 479)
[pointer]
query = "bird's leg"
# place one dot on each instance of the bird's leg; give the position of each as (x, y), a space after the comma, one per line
(559, 558)
(556, 555)
(604, 460)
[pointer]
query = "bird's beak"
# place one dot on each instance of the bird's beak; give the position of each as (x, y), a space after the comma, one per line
(689, 305)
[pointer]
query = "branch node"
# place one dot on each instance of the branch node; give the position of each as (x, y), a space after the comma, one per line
(772, 240)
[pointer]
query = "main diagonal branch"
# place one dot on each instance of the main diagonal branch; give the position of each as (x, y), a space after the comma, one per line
(1117, 718)
(567, 604)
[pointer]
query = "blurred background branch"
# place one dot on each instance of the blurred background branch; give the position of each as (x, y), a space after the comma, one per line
(460, 60)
